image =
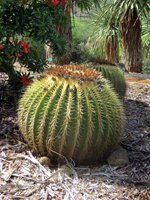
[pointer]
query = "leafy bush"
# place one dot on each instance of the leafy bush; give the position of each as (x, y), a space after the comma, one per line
(23, 21)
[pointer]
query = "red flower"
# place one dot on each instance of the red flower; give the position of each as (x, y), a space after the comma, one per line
(25, 46)
(1, 47)
(25, 80)
(54, 2)
(18, 55)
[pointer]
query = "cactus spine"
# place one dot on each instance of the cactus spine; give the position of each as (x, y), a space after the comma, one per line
(71, 111)
(115, 76)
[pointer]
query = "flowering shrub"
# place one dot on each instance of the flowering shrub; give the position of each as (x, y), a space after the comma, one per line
(57, 2)
(10, 53)
(25, 79)
(19, 22)
(14, 49)
(54, 2)
(25, 46)
(1, 47)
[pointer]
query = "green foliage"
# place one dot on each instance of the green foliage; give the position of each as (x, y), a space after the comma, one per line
(82, 31)
(146, 70)
(71, 111)
(115, 76)
(37, 58)
(80, 26)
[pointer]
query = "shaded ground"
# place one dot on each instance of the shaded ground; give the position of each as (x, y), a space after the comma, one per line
(23, 177)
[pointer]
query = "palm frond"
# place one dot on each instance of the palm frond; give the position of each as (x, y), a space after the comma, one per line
(120, 7)
(146, 32)
(104, 28)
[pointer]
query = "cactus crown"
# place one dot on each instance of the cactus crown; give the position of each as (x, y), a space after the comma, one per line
(74, 72)
(79, 74)
(75, 76)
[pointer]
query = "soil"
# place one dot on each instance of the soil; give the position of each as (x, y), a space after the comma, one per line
(22, 176)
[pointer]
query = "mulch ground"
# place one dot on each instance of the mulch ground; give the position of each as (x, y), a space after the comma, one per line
(23, 177)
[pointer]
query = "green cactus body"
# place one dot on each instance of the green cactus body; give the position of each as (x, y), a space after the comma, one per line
(115, 76)
(71, 111)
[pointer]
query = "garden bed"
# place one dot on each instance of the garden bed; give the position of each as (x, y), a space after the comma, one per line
(23, 177)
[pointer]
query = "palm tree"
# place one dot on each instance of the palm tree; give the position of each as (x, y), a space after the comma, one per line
(107, 34)
(128, 13)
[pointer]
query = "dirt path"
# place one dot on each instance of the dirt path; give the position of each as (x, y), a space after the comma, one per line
(138, 80)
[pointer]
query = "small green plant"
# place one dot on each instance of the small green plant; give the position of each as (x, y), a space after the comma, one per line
(71, 111)
(115, 76)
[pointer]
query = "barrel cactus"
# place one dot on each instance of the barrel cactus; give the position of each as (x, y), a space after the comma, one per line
(71, 111)
(115, 75)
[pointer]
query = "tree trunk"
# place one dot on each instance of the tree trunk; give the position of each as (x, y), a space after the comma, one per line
(112, 49)
(131, 36)
(66, 32)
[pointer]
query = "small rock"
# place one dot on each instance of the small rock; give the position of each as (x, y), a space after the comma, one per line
(147, 108)
(118, 158)
(45, 161)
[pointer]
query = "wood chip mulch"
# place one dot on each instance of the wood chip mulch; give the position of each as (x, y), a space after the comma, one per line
(23, 177)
